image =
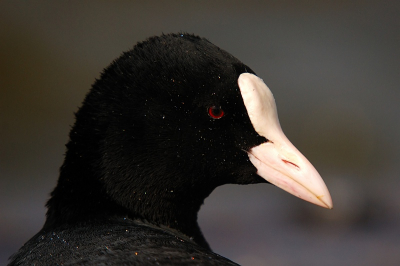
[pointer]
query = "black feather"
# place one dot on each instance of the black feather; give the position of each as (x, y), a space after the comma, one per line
(144, 154)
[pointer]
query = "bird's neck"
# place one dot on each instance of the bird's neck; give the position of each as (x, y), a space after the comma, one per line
(79, 197)
(178, 212)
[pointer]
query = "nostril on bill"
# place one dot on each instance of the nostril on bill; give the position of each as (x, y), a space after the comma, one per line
(293, 164)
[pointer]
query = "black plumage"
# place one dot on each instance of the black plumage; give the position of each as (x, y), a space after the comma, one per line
(115, 241)
(145, 151)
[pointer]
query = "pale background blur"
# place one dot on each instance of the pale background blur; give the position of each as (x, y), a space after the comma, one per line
(333, 66)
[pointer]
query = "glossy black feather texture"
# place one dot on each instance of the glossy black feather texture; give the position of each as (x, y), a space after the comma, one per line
(143, 155)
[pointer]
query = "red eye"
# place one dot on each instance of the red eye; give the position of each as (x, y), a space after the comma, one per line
(216, 112)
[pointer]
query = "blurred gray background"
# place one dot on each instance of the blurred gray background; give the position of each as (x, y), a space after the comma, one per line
(333, 66)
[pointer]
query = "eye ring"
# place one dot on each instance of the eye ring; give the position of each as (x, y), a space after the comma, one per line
(216, 112)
